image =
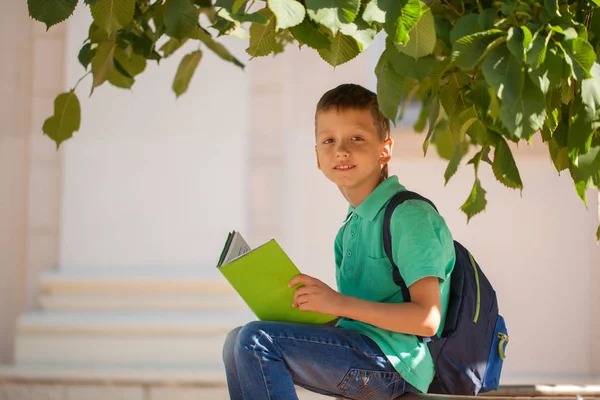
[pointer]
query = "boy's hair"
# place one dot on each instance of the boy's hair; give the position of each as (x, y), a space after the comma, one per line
(351, 96)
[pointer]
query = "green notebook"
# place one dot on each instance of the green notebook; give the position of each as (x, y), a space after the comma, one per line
(261, 277)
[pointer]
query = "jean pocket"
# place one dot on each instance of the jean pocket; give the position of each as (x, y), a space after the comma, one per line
(372, 385)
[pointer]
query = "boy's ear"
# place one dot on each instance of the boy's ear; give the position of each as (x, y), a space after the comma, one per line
(386, 152)
(317, 154)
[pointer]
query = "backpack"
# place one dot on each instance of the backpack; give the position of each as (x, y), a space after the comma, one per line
(469, 353)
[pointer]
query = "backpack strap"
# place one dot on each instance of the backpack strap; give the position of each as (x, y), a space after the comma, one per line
(398, 199)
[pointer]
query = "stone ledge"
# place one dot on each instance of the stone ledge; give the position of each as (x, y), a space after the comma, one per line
(39, 374)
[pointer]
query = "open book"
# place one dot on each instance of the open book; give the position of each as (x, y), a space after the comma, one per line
(261, 277)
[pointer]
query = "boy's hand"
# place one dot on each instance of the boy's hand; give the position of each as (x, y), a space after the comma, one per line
(315, 296)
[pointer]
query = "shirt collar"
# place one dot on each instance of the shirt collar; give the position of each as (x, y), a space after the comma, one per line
(375, 201)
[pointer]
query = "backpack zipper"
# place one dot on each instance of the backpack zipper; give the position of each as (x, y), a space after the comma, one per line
(503, 339)
(478, 305)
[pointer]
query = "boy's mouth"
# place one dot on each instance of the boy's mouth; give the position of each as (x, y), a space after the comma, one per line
(344, 167)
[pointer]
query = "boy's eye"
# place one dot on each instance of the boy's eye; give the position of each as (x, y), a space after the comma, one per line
(357, 138)
(327, 141)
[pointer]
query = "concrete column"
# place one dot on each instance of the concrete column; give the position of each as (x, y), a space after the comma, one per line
(31, 75)
(15, 86)
(265, 148)
(45, 180)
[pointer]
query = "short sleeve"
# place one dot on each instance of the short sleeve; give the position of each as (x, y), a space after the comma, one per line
(422, 245)
(338, 247)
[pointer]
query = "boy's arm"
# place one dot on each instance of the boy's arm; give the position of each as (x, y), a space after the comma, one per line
(421, 317)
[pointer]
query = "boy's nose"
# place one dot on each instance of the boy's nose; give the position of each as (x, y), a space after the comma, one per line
(341, 151)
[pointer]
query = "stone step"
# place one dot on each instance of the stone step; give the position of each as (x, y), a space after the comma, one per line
(135, 281)
(157, 302)
(157, 339)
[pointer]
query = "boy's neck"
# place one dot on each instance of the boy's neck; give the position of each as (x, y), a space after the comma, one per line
(355, 196)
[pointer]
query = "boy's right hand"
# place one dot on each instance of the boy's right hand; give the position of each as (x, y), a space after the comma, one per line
(315, 295)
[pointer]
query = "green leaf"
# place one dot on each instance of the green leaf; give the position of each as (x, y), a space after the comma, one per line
(237, 5)
(586, 172)
(487, 18)
(469, 49)
(504, 73)
(401, 16)
(102, 62)
(112, 15)
(478, 132)
(373, 13)
(132, 64)
(582, 55)
(541, 79)
(287, 12)
(590, 90)
(525, 115)
(465, 26)
(85, 55)
(453, 163)
(50, 12)
(117, 79)
(256, 17)
(422, 36)
(332, 14)
(181, 18)
(434, 113)
(171, 46)
(504, 166)
(559, 155)
(66, 118)
(552, 72)
(308, 33)
(390, 87)
(581, 132)
(595, 23)
(408, 66)
(343, 49)
(442, 30)
(361, 32)
(476, 201)
(452, 93)
(226, 25)
(263, 38)
(536, 51)
(552, 8)
(186, 70)
(518, 40)
(216, 47)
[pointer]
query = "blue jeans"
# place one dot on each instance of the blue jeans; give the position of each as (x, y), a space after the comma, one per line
(264, 360)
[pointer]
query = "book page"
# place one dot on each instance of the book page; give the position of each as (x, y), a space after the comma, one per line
(237, 248)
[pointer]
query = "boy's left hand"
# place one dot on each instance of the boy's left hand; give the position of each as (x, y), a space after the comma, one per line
(315, 295)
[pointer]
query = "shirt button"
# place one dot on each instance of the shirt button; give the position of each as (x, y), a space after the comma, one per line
(353, 235)
(349, 254)
(355, 217)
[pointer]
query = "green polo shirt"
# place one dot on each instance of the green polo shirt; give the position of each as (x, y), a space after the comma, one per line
(422, 246)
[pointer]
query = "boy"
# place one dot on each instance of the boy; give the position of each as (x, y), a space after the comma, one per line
(373, 351)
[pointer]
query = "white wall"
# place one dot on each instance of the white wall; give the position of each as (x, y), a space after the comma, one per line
(151, 180)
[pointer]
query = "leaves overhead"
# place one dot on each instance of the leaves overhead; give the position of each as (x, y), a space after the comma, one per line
(487, 74)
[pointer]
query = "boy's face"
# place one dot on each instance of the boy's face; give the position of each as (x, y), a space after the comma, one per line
(349, 150)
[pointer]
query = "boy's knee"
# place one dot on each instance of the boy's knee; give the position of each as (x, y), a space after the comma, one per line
(229, 345)
(249, 336)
